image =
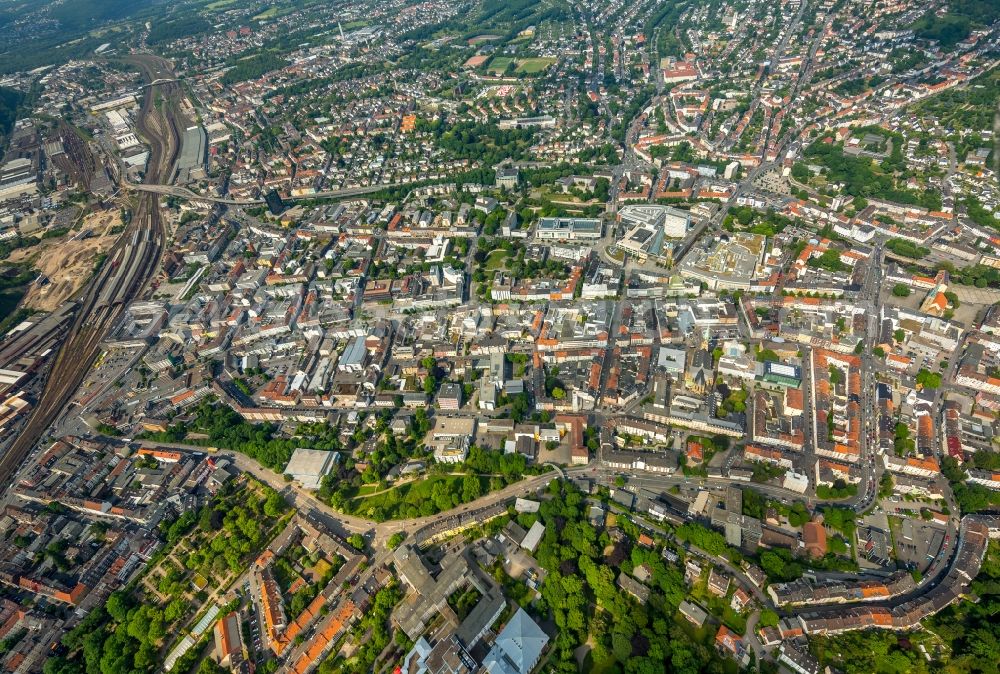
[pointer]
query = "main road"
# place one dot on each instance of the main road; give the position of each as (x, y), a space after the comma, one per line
(343, 524)
(124, 275)
(150, 187)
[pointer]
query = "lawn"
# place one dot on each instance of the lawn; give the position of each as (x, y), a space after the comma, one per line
(268, 13)
(219, 4)
(415, 499)
(322, 568)
(497, 259)
(534, 65)
(616, 254)
(499, 64)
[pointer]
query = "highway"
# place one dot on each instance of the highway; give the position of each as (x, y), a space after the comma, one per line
(124, 275)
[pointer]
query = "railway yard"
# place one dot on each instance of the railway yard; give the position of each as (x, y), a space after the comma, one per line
(125, 273)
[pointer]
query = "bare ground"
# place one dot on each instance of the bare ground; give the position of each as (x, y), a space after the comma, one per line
(67, 261)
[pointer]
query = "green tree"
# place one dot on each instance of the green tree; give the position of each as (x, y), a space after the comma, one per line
(768, 618)
(471, 488)
(274, 505)
(928, 379)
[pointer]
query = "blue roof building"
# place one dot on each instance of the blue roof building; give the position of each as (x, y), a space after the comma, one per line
(518, 647)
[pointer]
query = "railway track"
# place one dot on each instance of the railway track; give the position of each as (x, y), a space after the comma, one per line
(124, 276)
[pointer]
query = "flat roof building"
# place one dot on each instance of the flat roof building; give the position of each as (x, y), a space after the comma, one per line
(193, 155)
(647, 227)
(353, 358)
(533, 537)
(308, 467)
(569, 229)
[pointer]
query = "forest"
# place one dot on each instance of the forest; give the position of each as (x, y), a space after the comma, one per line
(954, 25)
(581, 597)
(228, 430)
(861, 179)
(486, 144)
(10, 99)
(253, 67)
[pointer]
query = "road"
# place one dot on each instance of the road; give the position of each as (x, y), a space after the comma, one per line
(185, 193)
(124, 276)
(378, 534)
(343, 524)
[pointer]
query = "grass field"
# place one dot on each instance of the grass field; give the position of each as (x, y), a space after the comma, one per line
(322, 566)
(415, 499)
(219, 4)
(499, 64)
(534, 65)
(497, 260)
(268, 13)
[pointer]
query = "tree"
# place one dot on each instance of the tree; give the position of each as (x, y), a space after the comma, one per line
(395, 540)
(174, 610)
(118, 605)
(471, 488)
(209, 666)
(274, 505)
(928, 379)
(901, 290)
(800, 171)
(767, 356)
(768, 618)
(60, 665)
(798, 514)
(885, 485)
(356, 541)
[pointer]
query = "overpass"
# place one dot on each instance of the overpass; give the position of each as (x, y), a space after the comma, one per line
(160, 80)
(185, 193)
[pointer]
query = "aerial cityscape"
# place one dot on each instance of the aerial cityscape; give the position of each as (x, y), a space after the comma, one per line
(500, 336)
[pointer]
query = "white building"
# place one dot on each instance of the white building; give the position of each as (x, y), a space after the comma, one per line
(308, 467)
(797, 482)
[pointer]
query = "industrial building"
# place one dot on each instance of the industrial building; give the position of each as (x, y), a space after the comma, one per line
(193, 156)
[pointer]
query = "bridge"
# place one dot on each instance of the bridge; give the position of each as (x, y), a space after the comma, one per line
(185, 193)
(160, 80)
(190, 195)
